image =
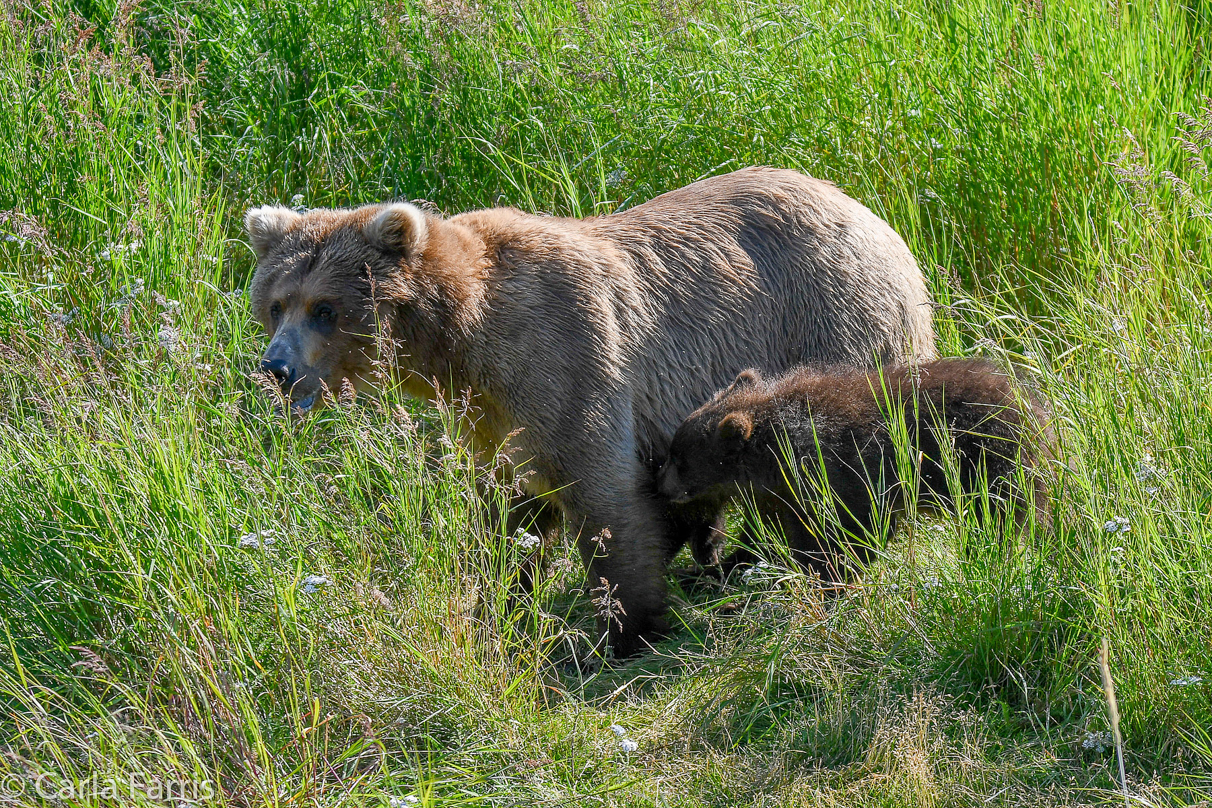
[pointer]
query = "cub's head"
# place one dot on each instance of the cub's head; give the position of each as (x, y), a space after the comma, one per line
(325, 282)
(706, 457)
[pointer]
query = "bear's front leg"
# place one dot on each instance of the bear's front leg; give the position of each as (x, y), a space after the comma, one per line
(523, 513)
(540, 518)
(625, 559)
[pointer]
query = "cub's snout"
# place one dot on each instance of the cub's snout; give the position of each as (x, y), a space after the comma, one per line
(670, 485)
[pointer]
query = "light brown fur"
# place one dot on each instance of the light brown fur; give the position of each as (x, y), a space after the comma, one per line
(594, 337)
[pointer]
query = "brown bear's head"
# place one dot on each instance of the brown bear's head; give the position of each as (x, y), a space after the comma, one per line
(706, 455)
(328, 282)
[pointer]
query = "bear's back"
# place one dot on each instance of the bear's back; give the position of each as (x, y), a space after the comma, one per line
(763, 268)
(842, 408)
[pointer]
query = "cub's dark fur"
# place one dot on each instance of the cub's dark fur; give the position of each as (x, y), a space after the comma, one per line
(837, 425)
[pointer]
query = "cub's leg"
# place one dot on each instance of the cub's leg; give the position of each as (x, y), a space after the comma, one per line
(830, 544)
(810, 542)
(699, 524)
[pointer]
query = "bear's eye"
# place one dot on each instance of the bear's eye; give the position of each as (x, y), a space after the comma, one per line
(275, 311)
(323, 314)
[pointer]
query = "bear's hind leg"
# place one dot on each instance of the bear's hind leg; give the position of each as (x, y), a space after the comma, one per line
(524, 514)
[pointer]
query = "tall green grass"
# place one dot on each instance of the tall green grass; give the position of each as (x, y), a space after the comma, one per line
(160, 525)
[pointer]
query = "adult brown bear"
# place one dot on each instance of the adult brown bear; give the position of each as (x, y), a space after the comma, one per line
(591, 338)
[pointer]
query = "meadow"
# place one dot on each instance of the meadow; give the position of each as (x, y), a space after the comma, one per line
(205, 601)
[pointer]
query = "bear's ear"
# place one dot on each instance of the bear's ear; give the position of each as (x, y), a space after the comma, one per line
(744, 379)
(267, 225)
(398, 227)
(750, 377)
(735, 429)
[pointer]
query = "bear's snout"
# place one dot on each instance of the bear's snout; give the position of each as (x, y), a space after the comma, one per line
(279, 368)
(279, 362)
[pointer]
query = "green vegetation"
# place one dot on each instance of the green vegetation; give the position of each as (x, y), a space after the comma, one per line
(1047, 163)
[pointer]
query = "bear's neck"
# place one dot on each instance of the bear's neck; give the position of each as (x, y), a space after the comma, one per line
(432, 336)
(438, 358)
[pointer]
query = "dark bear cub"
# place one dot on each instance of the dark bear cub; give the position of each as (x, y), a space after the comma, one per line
(816, 450)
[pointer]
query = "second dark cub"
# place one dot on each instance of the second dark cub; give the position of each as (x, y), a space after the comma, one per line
(839, 428)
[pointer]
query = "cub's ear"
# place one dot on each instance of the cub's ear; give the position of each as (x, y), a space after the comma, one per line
(735, 429)
(750, 377)
(267, 225)
(398, 227)
(746, 378)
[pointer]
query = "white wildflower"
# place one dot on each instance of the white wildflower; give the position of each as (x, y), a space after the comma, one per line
(527, 541)
(756, 571)
(1148, 473)
(1098, 741)
(115, 250)
(128, 294)
(64, 318)
(616, 177)
(1117, 524)
(166, 302)
(1186, 681)
(400, 802)
(914, 113)
(257, 540)
(1119, 324)
(296, 202)
(618, 730)
(628, 745)
(313, 583)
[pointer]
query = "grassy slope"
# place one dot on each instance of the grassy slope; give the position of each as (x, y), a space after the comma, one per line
(139, 638)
